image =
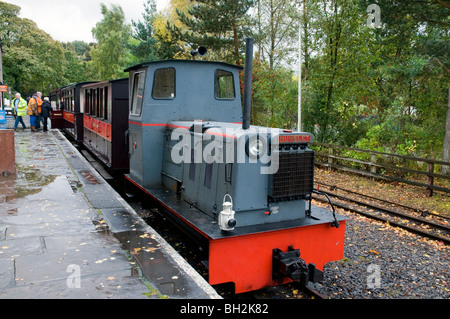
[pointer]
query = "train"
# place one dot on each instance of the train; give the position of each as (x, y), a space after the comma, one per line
(186, 143)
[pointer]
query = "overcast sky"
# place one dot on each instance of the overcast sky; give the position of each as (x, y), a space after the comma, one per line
(73, 20)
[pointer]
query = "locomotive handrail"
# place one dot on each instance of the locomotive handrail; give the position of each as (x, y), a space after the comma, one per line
(127, 143)
(335, 223)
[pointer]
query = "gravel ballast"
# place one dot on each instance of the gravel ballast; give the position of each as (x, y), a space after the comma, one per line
(385, 262)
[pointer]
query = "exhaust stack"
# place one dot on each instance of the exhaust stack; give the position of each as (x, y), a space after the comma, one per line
(248, 84)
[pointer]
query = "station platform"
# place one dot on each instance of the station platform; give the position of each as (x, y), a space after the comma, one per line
(65, 233)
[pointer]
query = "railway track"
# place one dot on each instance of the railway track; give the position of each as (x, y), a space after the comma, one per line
(421, 222)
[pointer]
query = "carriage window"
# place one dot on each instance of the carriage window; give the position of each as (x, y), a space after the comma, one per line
(87, 102)
(71, 101)
(101, 104)
(91, 102)
(95, 102)
(106, 106)
(164, 84)
(224, 85)
(138, 93)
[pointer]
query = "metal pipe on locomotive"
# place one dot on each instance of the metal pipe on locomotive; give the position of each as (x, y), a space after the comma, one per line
(243, 191)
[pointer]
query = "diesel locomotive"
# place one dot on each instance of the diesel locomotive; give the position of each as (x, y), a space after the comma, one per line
(243, 191)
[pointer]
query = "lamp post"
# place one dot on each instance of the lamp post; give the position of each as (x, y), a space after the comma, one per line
(1, 73)
(300, 123)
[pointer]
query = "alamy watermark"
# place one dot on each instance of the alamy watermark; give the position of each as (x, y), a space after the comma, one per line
(374, 277)
(374, 19)
(227, 145)
(74, 279)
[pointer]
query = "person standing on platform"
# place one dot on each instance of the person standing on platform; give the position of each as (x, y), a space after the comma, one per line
(19, 108)
(38, 116)
(32, 109)
(46, 111)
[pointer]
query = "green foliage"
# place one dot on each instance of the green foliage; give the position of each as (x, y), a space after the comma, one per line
(77, 69)
(111, 54)
(276, 26)
(384, 89)
(80, 48)
(144, 47)
(275, 96)
(338, 77)
(33, 60)
(218, 25)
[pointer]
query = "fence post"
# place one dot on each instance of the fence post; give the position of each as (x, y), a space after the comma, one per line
(330, 159)
(373, 168)
(430, 179)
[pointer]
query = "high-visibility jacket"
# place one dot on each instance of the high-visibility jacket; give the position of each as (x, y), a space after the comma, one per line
(21, 107)
(34, 104)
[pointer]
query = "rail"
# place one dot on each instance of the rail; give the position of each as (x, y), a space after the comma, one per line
(385, 166)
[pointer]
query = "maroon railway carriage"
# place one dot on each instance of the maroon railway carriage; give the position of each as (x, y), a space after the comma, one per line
(68, 101)
(105, 122)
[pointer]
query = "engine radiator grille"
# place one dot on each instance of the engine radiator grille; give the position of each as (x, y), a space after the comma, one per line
(295, 176)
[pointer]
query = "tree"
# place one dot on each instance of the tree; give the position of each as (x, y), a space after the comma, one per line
(8, 27)
(337, 71)
(274, 96)
(111, 55)
(218, 25)
(33, 61)
(78, 66)
(276, 26)
(416, 43)
(80, 48)
(145, 49)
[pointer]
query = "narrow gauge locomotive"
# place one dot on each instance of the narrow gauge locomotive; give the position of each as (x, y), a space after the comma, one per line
(243, 191)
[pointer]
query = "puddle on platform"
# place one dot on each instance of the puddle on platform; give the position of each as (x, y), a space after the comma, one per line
(154, 264)
(27, 181)
(35, 181)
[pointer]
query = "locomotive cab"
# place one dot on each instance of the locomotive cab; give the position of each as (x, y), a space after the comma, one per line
(161, 92)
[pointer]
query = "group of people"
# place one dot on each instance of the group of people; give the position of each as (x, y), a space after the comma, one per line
(38, 110)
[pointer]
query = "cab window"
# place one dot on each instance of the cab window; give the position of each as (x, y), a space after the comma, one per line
(224, 85)
(138, 93)
(164, 84)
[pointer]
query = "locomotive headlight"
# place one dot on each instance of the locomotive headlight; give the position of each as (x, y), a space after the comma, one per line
(256, 147)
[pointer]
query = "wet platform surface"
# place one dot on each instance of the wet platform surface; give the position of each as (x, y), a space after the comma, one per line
(65, 233)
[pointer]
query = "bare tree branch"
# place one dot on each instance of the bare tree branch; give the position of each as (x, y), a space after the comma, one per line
(443, 3)
(445, 24)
